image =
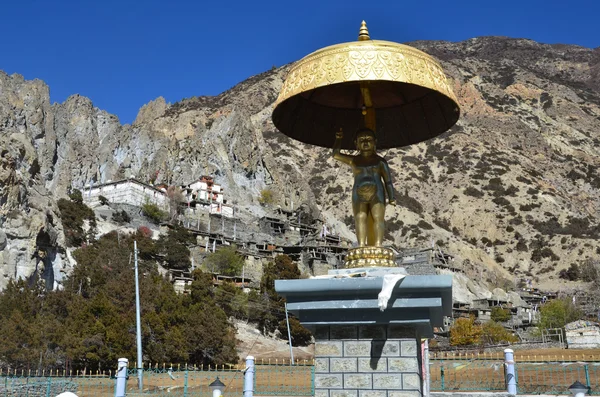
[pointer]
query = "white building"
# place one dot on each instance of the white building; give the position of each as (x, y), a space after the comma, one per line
(205, 195)
(204, 189)
(127, 191)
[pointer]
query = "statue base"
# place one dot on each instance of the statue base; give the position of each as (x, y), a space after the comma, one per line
(370, 257)
(361, 351)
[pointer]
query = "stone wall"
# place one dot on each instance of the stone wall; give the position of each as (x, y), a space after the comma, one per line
(366, 361)
(583, 338)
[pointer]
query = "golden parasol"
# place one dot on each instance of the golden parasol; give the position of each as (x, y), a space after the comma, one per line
(396, 90)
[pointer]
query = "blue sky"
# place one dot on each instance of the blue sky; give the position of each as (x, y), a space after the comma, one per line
(122, 54)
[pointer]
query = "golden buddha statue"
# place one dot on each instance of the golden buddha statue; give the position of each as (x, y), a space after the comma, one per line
(372, 182)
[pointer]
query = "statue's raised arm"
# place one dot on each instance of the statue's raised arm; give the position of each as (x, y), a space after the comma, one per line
(337, 146)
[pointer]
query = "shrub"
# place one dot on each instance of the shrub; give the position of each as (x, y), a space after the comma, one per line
(267, 197)
(121, 217)
(75, 196)
(471, 191)
(500, 314)
(153, 213)
(300, 336)
(145, 231)
(410, 203)
(103, 200)
(424, 225)
(590, 271)
(571, 274)
(494, 333)
(465, 332)
(225, 261)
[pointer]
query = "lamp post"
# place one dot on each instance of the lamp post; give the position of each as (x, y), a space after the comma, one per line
(578, 389)
(217, 387)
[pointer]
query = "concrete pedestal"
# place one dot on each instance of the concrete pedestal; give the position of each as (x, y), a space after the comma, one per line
(361, 351)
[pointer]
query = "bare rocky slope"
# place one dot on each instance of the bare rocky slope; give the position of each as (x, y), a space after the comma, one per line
(512, 191)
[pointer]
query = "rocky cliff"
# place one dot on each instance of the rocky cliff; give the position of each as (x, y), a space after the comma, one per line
(513, 191)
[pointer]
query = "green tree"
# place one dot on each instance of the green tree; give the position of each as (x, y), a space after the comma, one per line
(232, 300)
(201, 289)
(153, 213)
(494, 333)
(272, 305)
(283, 268)
(91, 322)
(73, 214)
(75, 196)
(557, 313)
(225, 261)
(500, 314)
(175, 248)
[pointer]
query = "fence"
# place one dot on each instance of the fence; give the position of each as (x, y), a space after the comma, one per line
(534, 375)
(269, 380)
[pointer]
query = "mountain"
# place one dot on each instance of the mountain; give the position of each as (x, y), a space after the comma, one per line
(512, 191)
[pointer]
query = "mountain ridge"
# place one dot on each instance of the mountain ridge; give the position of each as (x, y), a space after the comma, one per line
(517, 174)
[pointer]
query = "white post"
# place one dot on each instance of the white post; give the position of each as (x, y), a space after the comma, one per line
(511, 381)
(138, 322)
(121, 378)
(426, 375)
(249, 377)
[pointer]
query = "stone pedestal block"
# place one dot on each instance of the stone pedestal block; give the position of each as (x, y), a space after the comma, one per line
(368, 366)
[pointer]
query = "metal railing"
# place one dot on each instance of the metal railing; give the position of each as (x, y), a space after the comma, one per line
(534, 374)
(269, 380)
(469, 372)
(467, 375)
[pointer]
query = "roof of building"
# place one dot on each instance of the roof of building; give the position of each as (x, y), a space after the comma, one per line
(581, 324)
(125, 181)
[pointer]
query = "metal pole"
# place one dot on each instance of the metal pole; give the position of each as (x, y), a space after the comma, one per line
(289, 334)
(138, 322)
(121, 378)
(511, 381)
(249, 377)
(587, 376)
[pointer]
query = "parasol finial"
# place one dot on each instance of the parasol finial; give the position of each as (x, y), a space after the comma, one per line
(363, 33)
